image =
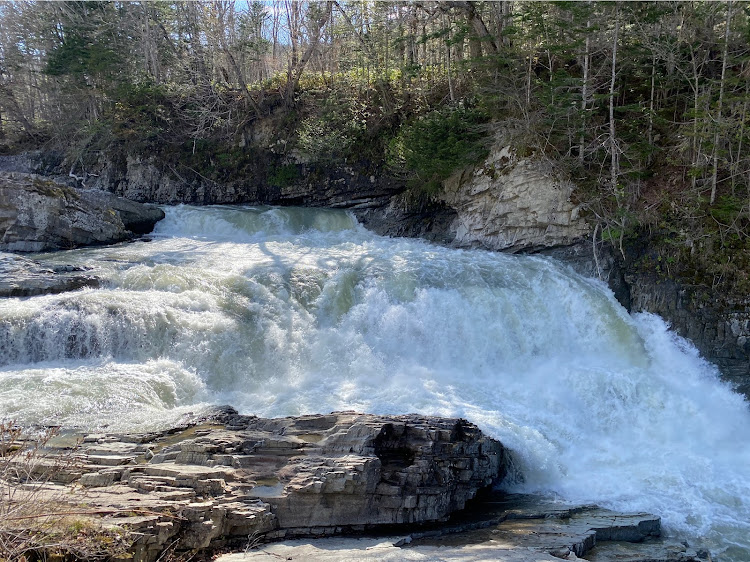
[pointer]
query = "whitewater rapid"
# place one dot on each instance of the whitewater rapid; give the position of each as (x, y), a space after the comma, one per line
(293, 311)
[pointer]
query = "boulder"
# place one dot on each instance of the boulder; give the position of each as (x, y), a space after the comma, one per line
(37, 214)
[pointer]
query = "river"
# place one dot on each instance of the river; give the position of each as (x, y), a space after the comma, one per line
(292, 311)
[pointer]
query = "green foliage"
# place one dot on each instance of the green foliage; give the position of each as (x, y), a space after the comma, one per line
(727, 209)
(328, 134)
(142, 113)
(432, 147)
(283, 175)
(79, 56)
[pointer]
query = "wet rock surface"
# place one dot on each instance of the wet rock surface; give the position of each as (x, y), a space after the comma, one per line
(501, 527)
(231, 477)
(22, 277)
(38, 214)
(718, 327)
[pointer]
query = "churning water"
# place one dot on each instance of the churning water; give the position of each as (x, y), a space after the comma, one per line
(291, 311)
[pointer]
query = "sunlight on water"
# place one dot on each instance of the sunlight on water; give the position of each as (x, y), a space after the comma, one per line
(291, 311)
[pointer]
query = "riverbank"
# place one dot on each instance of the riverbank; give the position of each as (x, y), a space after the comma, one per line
(222, 481)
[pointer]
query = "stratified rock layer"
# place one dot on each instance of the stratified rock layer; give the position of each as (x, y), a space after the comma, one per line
(513, 204)
(37, 214)
(507, 528)
(217, 483)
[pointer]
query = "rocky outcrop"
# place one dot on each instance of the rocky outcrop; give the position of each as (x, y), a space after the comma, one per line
(720, 329)
(507, 528)
(513, 204)
(269, 179)
(21, 277)
(232, 477)
(37, 214)
(508, 203)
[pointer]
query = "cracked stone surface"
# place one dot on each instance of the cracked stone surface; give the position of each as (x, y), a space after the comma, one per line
(513, 204)
(231, 477)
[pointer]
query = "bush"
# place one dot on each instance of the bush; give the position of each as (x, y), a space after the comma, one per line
(431, 148)
(329, 133)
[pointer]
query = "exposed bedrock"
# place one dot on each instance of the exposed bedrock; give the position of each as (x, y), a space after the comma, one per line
(38, 214)
(232, 477)
(22, 277)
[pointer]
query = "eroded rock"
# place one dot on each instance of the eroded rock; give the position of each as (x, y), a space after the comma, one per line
(509, 528)
(512, 203)
(37, 214)
(233, 477)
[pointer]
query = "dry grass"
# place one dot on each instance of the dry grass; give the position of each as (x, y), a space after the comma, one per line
(37, 519)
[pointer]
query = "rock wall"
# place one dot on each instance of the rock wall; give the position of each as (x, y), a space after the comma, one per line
(720, 330)
(506, 203)
(512, 204)
(269, 180)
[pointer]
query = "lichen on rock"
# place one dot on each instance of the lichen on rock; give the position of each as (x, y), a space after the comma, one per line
(37, 214)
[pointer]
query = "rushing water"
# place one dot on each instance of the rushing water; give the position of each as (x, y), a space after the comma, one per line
(291, 311)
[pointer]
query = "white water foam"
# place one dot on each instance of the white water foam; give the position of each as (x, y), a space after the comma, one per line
(291, 311)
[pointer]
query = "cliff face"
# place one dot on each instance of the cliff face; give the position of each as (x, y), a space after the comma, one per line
(506, 203)
(512, 204)
(267, 181)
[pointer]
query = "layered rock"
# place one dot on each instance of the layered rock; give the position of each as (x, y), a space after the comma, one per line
(269, 180)
(37, 214)
(234, 477)
(507, 202)
(507, 528)
(720, 331)
(512, 204)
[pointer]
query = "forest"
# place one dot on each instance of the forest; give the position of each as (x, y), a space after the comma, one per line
(644, 105)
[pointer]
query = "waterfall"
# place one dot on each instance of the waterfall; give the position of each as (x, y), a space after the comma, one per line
(293, 311)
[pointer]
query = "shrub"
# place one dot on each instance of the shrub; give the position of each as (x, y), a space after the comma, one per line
(431, 148)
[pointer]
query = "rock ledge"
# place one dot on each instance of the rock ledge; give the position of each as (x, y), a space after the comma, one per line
(37, 214)
(229, 478)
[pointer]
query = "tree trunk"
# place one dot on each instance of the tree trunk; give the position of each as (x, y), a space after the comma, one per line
(715, 172)
(584, 91)
(614, 163)
(299, 67)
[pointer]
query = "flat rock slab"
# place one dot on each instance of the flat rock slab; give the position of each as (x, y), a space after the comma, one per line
(534, 530)
(22, 277)
(352, 550)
